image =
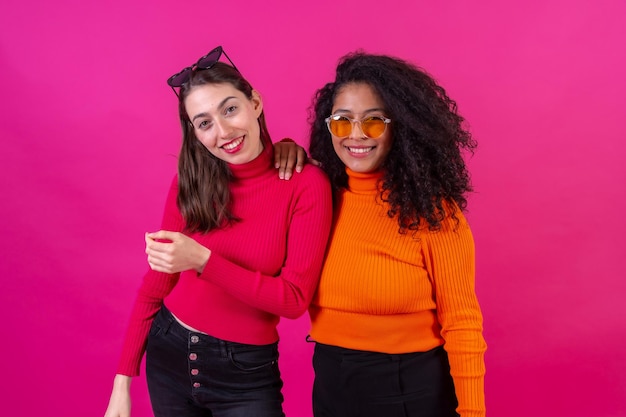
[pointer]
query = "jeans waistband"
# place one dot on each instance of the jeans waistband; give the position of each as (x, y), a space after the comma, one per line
(346, 352)
(168, 322)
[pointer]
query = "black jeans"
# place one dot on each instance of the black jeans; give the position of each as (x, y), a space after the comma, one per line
(353, 383)
(193, 374)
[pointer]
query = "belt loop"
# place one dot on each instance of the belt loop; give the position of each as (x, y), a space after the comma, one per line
(224, 348)
(164, 319)
(169, 319)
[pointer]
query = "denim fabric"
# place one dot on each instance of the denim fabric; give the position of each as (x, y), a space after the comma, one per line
(353, 383)
(194, 374)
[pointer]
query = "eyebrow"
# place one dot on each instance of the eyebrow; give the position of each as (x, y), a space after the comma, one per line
(374, 109)
(221, 105)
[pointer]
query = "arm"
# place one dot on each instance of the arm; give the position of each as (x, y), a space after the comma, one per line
(119, 403)
(154, 288)
(450, 261)
(289, 293)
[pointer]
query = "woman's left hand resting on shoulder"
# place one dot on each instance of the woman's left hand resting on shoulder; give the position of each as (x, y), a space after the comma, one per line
(173, 252)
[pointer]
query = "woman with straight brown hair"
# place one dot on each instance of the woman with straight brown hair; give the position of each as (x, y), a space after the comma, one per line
(238, 249)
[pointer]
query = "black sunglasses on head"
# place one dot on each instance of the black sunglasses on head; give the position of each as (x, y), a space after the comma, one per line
(206, 62)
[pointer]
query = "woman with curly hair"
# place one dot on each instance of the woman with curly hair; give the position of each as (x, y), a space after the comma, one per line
(396, 321)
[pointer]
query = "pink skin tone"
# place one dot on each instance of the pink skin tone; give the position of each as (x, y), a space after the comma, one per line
(357, 152)
(226, 121)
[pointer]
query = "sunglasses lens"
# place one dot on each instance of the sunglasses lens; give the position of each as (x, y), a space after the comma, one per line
(205, 62)
(179, 79)
(340, 126)
(210, 59)
(373, 127)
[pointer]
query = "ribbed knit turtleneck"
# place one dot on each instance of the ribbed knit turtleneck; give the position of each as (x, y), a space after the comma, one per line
(259, 167)
(263, 266)
(388, 292)
(363, 183)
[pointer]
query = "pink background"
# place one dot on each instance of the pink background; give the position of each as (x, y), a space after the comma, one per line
(89, 138)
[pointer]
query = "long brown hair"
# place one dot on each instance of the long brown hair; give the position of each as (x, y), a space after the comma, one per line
(203, 193)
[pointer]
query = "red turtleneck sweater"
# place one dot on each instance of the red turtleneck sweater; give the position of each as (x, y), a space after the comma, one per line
(265, 266)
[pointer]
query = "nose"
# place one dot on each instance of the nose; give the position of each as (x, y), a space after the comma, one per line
(224, 129)
(354, 133)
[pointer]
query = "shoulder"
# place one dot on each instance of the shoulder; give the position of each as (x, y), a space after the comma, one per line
(314, 173)
(455, 217)
(310, 177)
(172, 190)
(310, 188)
(454, 222)
(174, 182)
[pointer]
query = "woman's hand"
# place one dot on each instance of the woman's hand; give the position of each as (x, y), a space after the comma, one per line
(119, 403)
(287, 155)
(173, 252)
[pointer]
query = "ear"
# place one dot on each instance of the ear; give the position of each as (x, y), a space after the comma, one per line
(257, 103)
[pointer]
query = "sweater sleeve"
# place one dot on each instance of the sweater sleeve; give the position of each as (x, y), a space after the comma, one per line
(289, 293)
(154, 288)
(450, 261)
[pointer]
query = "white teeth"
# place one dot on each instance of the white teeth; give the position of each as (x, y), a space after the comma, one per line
(360, 150)
(233, 145)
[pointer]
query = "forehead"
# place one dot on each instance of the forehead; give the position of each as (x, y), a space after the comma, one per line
(356, 97)
(211, 95)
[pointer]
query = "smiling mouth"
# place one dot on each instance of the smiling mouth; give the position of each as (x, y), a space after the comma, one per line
(360, 150)
(232, 145)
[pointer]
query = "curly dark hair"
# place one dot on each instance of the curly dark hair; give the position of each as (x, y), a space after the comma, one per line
(425, 177)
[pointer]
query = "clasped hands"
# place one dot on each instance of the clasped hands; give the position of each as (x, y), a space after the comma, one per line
(173, 252)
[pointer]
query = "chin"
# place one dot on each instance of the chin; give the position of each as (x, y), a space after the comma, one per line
(361, 167)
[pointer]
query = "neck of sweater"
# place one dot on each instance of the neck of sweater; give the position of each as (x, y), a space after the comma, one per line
(257, 168)
(363, 182)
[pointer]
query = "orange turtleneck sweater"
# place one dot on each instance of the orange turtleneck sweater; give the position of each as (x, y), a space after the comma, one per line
(383, 291)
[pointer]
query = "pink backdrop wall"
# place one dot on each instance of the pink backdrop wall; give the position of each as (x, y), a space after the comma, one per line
(89, 138)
